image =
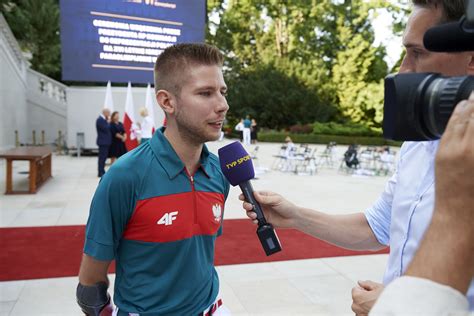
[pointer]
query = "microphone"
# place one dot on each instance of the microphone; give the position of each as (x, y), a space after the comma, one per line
(450, 37)
(237, 167)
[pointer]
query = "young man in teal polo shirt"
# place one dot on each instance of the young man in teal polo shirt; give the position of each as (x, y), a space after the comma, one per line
(159, 208)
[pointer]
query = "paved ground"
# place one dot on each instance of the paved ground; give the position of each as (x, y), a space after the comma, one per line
(300, 287)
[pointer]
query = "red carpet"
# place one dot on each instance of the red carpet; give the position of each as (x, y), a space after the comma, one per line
(48, 252)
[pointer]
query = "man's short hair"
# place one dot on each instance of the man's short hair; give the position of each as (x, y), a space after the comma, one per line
(453, 10)
(174, 61)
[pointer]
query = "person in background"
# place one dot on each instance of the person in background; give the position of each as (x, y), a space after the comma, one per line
(246, 132)
(240, 129)
(104, 139)
(350, 157)
(290, 147)
(146, 126)
(117, 147)
(253, 131)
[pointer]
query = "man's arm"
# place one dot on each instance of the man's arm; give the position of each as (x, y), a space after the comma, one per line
(91, 292)
(348, 231)
(102, 125)
(93, 271)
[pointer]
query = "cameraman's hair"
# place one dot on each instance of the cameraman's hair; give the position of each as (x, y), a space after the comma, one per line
(174, 61)
(453, 10)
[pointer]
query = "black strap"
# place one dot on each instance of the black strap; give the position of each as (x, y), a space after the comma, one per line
(92, 299)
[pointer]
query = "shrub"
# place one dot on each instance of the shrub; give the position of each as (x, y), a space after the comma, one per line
(279, 137)
(348, 129)
(301, 129)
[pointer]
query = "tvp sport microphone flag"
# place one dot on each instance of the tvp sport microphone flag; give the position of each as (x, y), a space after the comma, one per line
(237, 167)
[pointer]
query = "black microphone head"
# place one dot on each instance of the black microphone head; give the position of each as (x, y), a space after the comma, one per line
(450, 37)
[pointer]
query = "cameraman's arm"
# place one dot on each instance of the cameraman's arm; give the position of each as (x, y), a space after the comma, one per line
(444, 264)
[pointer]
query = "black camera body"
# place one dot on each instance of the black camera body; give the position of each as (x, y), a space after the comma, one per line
(417, 106)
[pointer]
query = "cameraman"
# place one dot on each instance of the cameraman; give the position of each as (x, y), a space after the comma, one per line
(434, 283)
(400, 216)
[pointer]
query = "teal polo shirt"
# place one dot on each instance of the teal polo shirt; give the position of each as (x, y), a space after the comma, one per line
(160, 225)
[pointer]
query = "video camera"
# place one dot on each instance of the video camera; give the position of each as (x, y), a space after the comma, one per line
(418, 106)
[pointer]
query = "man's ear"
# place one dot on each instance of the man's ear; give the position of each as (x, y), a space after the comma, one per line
(470, 67)
(166, 101)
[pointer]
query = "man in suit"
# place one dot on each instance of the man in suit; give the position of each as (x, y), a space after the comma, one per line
(104, 138)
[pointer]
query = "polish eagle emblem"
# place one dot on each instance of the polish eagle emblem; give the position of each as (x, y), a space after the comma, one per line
(217, 211)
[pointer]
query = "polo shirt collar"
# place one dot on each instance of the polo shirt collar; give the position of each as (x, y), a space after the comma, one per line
(168, 158)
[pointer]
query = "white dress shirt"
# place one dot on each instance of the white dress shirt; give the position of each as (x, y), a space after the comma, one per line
(400, 217)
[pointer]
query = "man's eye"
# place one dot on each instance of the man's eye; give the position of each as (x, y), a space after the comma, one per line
(205, 93)
(417, 53)
(224, 93)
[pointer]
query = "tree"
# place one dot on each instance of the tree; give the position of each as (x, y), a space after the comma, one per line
(359, 68)
(360, 93)
(326, 45)
(274, 98)
(35, 25)
(259, 35)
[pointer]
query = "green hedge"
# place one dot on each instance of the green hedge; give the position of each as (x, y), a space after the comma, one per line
(279, 137)
(333, 128)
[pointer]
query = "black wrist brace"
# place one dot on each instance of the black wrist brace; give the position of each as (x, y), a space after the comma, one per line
(92, 299)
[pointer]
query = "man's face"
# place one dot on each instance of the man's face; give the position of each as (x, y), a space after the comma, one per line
(417, 58)
(201, 106)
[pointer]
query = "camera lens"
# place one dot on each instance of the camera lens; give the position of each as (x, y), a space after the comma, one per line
(442, 96)
(418, 106)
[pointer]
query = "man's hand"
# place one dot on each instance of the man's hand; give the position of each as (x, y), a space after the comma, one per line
(107, 310)
(277, 210)
(364, 296)
(454, 168)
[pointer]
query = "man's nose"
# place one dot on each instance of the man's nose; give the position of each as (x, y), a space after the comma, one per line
(222, 106)
(406, 66)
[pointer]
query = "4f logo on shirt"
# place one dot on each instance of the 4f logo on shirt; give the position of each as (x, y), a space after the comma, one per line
(167, 218)
(217, 211)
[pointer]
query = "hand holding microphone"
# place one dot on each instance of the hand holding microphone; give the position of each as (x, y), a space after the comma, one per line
(278, 211)
(236, 165)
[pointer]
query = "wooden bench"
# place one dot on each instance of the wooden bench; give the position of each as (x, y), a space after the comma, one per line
(40, 166)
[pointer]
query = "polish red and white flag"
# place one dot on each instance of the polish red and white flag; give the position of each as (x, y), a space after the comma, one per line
(109, 102)
(129, 122)
(150, 106)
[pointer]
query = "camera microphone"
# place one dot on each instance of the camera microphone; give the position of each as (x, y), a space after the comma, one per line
(237, 167)
(450, 37)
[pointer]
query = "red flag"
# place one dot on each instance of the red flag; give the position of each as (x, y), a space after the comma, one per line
(129, 122)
